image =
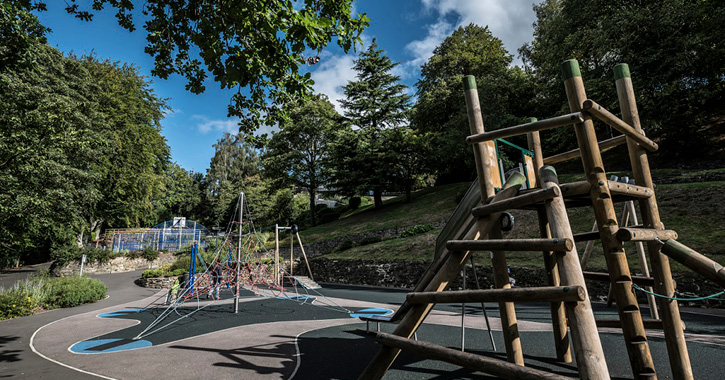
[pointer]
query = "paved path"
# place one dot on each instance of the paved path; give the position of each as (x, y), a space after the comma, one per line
(17, 361)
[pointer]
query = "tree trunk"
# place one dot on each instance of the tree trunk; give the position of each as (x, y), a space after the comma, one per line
(378, 197)
(79, 239)
(312, 206)
(408, 193)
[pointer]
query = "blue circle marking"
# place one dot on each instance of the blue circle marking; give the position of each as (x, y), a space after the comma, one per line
(119, 313)
(297, 298)
(371, 312)
(101, 346)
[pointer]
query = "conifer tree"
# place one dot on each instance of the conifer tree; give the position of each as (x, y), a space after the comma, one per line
(375, 102)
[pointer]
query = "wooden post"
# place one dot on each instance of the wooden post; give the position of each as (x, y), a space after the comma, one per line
(558, 312)
(632, 327)
(584, 335)
(304, 255)
(448, 271)
(498, 259)
(669, 310)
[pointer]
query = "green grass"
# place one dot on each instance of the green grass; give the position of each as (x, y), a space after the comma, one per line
(692, 209)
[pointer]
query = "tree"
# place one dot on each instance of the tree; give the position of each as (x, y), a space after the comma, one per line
(407, 152)
(234, 168)
(256, 47)
(504, 94)
(374, 102)
(297, 153)
(674, 50)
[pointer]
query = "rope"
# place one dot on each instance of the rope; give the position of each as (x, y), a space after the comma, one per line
(636, 287)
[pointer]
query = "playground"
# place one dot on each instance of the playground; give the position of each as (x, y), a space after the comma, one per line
(282, 338)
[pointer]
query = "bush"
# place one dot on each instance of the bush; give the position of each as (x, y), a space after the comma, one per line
(150, 254)
(370, 240)
(354, 203)
(345, 245)
(68, 254)
(73, 291)
(164, 271)
(417, 230)
(326, 215)
(16, 304)
(158, 272)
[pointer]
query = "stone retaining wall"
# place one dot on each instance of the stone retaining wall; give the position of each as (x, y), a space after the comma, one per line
(116, 265)
(156, 282)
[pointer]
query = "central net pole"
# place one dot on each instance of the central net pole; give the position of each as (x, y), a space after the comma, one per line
(239, 251)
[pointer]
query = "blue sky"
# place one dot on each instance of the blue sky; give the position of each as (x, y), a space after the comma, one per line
(408, 30)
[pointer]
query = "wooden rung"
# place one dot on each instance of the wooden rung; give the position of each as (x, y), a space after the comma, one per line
(557, 245)
(696, 261)
(522, 129)
(475, 362)
(593, 235)
(602, 114)
(604, 145)
(516, 202)
(575, 188)
(655, 324)
(644, 234)
(619, 188)
(587, 236)
(537, 294)
(604, 277)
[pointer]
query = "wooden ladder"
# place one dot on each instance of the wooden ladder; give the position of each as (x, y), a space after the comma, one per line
(566, 293)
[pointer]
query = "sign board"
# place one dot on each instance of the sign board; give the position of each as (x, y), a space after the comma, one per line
(83, 259)
(495, 170)
(530, 171)
(179, 222)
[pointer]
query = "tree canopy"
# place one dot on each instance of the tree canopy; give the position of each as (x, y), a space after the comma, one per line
(256, 47)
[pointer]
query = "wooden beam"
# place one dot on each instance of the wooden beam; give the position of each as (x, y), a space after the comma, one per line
(560, 245)
(644, 234)
(696, 261)
(475, 362)
(554, 122)
(534, 294)
(604, 277)
(653, 324)
(613, 121)
(535, 196)
(604, 145)
(585, 338)
(669, 310)
(620, 188)
(634, 334)
(575, 188)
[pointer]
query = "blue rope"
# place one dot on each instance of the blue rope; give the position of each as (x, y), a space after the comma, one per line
(636, 287)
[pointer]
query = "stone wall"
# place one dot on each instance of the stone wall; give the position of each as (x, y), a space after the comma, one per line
(156, 282)
(403, 274)
(116, 265)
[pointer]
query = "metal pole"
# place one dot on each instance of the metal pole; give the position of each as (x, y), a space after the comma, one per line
(239, 250)
(276, 252)
(291, 253)
(463, 314)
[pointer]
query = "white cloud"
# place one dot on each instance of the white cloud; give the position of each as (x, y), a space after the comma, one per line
(207, 125)
(333, 72)
(511, 21)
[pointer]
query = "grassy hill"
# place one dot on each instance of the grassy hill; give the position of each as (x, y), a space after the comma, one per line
(691, 209)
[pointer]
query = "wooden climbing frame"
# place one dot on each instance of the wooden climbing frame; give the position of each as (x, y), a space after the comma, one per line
(475, 226)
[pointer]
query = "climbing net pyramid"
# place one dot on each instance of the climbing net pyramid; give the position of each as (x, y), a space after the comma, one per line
(240, 263)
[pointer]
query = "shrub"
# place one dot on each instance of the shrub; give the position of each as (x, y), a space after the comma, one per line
(346, 244)
(68, 254)
(16, 304)
(354, 203)
(370, 240)
(73, 291)
(417, 230)
(327, 215)
(150, 254)
(158, 272)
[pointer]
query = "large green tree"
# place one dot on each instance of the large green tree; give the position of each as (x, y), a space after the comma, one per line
(374, 102)
(505, 94)
(675, 52)
(255, 46)
(297, 154)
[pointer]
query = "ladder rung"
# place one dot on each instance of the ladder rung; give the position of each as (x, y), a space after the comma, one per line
(644, 234)
(594, 235)
(516, 202)
(496, 367)
(575, 188)
(554, 122)
(533, 294)
(557, 245)
(619, 188)
(604, 277)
